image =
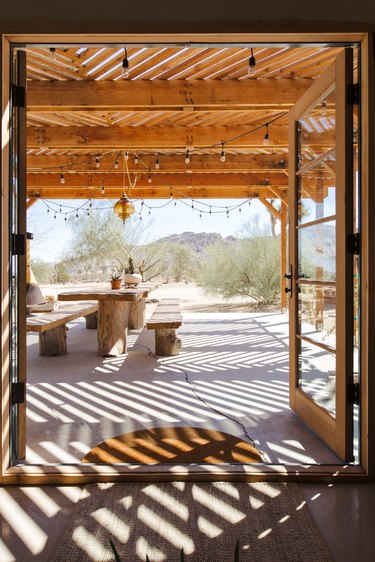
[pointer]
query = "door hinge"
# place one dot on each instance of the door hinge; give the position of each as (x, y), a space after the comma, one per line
(18, 245)
(354, 243)
(18, 96)
(17, 393)
(353, 393)
(354, 93)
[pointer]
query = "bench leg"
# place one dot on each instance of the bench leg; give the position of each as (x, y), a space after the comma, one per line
(92, 321)
(167, 342)
(137, 314)
(53, 342)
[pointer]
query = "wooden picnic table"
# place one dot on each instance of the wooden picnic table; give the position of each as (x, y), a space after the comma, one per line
(117, 310)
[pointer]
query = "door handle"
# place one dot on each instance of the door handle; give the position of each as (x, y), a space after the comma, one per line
(289, 276)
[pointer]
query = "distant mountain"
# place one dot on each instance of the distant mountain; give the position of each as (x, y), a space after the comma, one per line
(197, 241)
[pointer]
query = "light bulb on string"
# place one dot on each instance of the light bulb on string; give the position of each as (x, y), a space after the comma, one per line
(65, 219)
(171, 194)
(90, 203)
(55, 215)
(149, 211)
(252, 64)
(266, 139)
(97, 163)
(47, 209)
(149, 178)
(126, 156)
(116, 163)
(52, 52)
(175, 202)
(136, 159)
(200, 214)
(222, 155)
(125, 65)
(102, 190)
(60, 209)
(157, 163)
(187, 157)
(210, 211)
(88, 213)
(62, 178)
(323, 109)
(77, 214)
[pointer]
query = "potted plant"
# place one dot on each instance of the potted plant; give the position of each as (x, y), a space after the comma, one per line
(115, 281)
(132, 278)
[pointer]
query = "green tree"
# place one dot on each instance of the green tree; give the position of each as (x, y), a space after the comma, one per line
(248, 267)
(42, 270)
(102, 240)
(60, 273)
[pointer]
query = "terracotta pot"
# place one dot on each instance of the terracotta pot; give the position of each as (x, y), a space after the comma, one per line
(116, 283)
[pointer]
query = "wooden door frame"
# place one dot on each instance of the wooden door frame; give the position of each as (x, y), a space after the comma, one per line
(75, 474)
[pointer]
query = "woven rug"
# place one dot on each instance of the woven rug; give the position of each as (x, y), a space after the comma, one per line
(174, 445)
(271, 522)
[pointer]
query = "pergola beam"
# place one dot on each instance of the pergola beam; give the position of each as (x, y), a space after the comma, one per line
(158, 179)
(199, 163)
(230, 192)
(166, 137)
(150, 95)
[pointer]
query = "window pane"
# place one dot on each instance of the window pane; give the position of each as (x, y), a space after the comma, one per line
(317, 251)
(317, 313)
(317, 375)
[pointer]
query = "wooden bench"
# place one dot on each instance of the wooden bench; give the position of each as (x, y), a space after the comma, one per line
(52, 329)
(165, 320)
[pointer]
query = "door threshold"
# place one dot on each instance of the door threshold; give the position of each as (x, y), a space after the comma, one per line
(75, 474)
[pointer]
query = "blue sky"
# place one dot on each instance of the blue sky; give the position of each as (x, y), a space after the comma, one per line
(52, 235)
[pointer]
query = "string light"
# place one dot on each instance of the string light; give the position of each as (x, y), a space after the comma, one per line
(149, 177)
(136, 159)
(97, 163)
(323, 110)
(157, 163)
(125, 65)
(62, 178)
(126, 156)
(65, 219)
(102, 190)
(187, 157)
(266, 139)
(252, 64)
(52, 52)
(222, 155)
(116, 164)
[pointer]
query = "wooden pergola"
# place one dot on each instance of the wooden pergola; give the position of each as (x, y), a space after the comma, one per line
(201, 99)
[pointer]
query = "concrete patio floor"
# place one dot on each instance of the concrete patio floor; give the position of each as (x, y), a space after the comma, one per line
(235, 362)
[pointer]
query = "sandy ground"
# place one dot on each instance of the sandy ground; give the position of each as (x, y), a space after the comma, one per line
(191, 297)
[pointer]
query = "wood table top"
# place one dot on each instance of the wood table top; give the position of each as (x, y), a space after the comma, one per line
(127, 295)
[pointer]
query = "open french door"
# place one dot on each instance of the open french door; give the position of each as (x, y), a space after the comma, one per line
(321, 260)
(17, 253)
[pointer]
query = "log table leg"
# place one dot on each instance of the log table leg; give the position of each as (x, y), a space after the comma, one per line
(167, 342)
(112, 327)
(53, 341)
(92, 321)
(137, 314)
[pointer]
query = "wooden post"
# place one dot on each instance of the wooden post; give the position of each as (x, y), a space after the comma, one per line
(112, 327)
(137, 314)
(92, 321)
(53, 341)
(283, 254)
(167, 342)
